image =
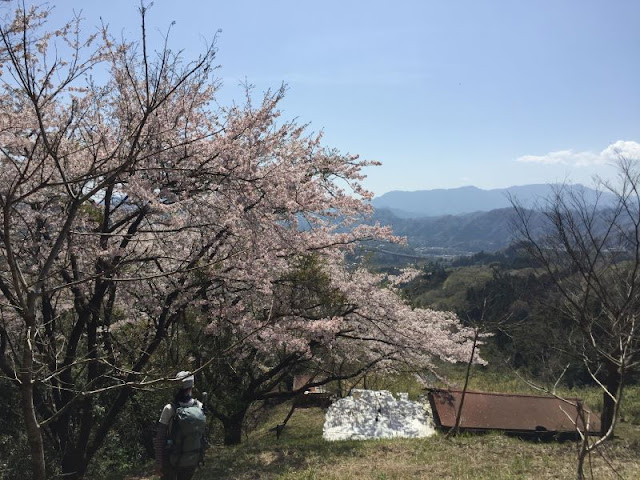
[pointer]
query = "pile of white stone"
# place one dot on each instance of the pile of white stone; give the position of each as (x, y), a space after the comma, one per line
(369, 414)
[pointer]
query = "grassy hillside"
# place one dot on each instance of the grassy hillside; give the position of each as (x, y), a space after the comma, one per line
(451, 294)
(301, 453)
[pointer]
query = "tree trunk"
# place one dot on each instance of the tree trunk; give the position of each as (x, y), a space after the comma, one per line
(73, 468)
(34, 432)
(612, 382)
(233, 428)
(75, 461)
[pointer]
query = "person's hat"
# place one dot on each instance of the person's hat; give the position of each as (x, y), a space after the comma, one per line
(186, 379)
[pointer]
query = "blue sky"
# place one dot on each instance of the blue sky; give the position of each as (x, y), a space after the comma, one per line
(445, 93)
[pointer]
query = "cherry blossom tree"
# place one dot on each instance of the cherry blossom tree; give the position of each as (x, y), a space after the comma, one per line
(130, 198)
(321, 320)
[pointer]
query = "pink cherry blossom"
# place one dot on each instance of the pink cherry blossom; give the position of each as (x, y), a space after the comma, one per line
(128, 203)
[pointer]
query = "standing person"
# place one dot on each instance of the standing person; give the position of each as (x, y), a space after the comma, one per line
(179, 442)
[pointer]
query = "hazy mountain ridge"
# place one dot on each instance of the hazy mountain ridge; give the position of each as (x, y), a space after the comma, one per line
(463, 200)
(466, 219)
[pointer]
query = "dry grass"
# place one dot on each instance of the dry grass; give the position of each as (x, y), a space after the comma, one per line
(302, 454)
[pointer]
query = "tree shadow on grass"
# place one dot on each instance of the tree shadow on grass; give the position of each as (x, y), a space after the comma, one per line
(271, 460)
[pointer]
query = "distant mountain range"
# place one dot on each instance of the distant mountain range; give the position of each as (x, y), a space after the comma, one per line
(466, 219)
(470, 232)
(456, 201)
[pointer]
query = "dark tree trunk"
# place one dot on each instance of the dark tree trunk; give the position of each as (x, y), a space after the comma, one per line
(612, 382)
(34, 431)
(73, 464)
(233, 427)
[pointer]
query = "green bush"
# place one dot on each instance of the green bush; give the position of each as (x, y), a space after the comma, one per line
(631, 405)
(14, 452)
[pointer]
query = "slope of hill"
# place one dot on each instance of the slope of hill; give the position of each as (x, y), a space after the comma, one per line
(301, 453)
(472, 232)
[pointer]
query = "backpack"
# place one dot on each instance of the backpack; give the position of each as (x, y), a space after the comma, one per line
(187, 435)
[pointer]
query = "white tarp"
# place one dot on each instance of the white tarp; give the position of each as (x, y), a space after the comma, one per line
(369, 414)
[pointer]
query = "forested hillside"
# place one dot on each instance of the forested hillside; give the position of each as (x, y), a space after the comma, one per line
(471, 232)
(502, 295)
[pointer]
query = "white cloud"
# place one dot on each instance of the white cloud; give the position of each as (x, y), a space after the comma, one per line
(620, 149)
(625, 149)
